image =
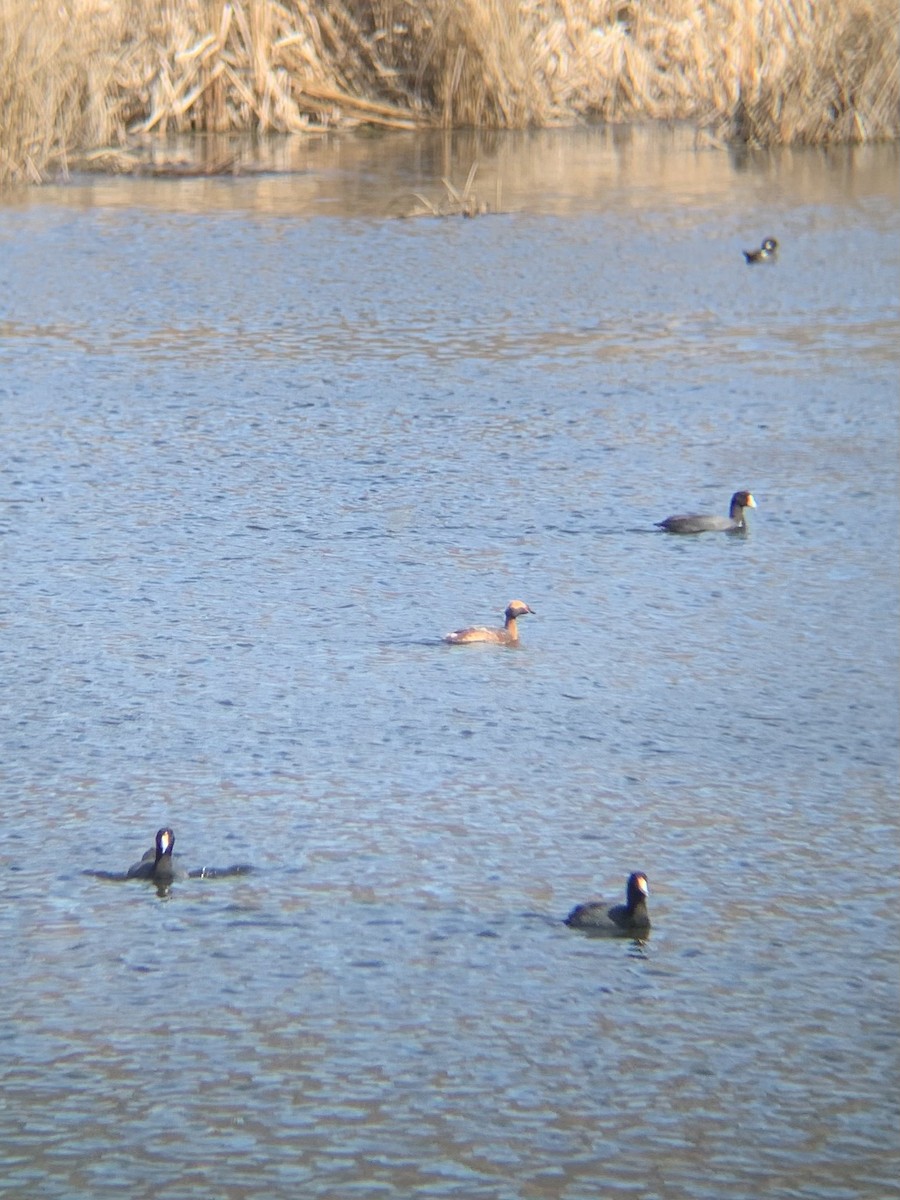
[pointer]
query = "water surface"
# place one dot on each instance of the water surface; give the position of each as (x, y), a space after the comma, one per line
(264, 443)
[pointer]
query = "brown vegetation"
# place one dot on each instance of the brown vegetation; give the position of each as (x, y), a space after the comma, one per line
(76, 75)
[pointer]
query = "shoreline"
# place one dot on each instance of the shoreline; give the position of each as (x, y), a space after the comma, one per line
(98, 80)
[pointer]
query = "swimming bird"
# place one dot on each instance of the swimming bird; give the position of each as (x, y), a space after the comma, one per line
(157, 863)
(768, 252)
(631, 917)
(702, 523)
(507, 636)
(157, 866)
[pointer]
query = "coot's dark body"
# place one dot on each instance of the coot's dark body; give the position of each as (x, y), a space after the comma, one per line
(628, 918)
(157, 864)
(735, 522)
(768, 252)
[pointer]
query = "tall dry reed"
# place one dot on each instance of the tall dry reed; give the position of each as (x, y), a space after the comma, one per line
(79, 74)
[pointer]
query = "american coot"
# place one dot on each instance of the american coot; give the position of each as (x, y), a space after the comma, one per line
(157, 863)
(628, 918)
(507, 636)
(767, 252)
(699, 523)
(157, 867)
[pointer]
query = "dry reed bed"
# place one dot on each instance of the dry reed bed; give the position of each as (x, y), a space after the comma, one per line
(94, 73)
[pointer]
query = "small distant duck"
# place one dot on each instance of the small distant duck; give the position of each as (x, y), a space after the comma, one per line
(157, 863)
(628, 918)
(767, 252)
(735, 522)
(507, 636)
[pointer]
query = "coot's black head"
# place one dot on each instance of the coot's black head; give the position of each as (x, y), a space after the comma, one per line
(638, 889)
(742, 500)
(165, 843)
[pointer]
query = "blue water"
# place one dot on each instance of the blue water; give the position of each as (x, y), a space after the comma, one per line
(264, 443)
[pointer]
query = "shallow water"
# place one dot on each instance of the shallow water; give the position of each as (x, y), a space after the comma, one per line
(264, 444)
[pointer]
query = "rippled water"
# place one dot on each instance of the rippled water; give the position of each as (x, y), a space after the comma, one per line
(263, 445)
